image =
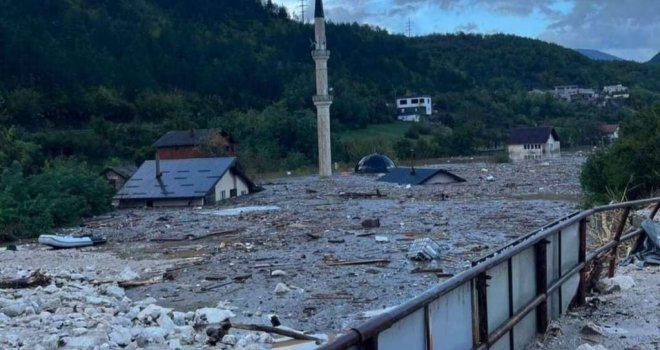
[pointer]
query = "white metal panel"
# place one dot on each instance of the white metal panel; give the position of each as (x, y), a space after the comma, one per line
(568, 291)
(451, 319)
(525, 331)
(503, 343)
(570, 244)
(552, 266)
(408, 333)
(524, 278)
(498, 295)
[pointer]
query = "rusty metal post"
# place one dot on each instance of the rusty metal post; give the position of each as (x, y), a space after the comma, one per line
(371, 343)
(428, 335)
(541, 257)
(582, 257)
(482, 306)
(617, 238)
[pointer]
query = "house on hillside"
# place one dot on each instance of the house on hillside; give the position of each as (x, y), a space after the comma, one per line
(420, 176)
(610, 132)
(533, 143)
(194, 143)
(118, 175)
(413, 108)
(184, 182)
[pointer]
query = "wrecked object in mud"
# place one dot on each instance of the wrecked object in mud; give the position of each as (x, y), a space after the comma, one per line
(647, 248)
(424, 249)
(420, 176)
(35, 279)
(62, 242)
(371, 223)
(374, 163)
(358, 195)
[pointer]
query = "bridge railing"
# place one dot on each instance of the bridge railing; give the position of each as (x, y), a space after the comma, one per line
(506, 298)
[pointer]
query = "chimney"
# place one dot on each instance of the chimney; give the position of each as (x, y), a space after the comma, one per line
(158, 172)
(412, 161)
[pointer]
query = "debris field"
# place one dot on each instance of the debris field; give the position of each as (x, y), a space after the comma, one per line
(320, 254)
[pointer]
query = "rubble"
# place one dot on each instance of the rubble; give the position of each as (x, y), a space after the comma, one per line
(110, 320)
(191, 244)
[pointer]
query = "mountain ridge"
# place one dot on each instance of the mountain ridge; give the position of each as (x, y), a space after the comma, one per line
(597, 55)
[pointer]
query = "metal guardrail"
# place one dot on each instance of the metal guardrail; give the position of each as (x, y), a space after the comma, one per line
(505, 299)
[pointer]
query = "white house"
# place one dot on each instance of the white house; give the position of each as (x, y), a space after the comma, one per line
(614, 89)
(412, 108)
(534, 143)
(184, 182)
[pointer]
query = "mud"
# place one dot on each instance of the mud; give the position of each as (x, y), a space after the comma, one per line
(318, 223)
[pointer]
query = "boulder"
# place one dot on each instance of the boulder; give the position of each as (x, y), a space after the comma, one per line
(165, 322)
(174, 344)
(591, 347)
(115, 292)
(212, 315)
(153, 311)
(151, 335)
(615, 284)
(179, 318)
(120, 336)
(13, 310)
(127, 274)
(281, 288)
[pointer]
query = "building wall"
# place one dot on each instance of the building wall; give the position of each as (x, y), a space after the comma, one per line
(116, 181)
(228, 182)
(175, 202)
(549, 149)
(411, 108)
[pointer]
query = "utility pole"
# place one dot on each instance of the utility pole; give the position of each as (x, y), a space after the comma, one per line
(409, 28)
(302, 10)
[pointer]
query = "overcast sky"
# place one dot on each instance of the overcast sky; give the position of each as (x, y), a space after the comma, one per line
(628, 29)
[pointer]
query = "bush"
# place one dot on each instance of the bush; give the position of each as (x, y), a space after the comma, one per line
(629, 169)
(63, 193)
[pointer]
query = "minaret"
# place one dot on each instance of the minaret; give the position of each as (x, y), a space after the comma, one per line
(322, 99)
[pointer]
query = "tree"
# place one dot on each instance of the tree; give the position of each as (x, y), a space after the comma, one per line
(630, 168)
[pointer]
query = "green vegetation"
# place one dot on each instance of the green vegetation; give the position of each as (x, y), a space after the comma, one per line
(630, 169)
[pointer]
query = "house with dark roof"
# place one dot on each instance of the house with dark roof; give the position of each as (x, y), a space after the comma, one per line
(194, 143)
(534, 143)
(420, 176)
(184, 182)
(118, 175)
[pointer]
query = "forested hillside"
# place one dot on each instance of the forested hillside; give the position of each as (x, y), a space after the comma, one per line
(101, 79)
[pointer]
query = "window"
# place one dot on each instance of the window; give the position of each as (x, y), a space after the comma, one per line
(243, 193)
(223, 194)
(403, 102)
(233, 193)
(414, 100)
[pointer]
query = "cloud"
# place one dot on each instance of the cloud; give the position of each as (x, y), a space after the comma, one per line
(628, 28)
(467, 27)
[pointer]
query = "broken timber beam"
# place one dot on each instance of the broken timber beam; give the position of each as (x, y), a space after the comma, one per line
(360, 262)
(273, 330)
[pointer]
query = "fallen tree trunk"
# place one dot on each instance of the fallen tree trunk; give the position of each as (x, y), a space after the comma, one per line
(273, 330)
(35, 279)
